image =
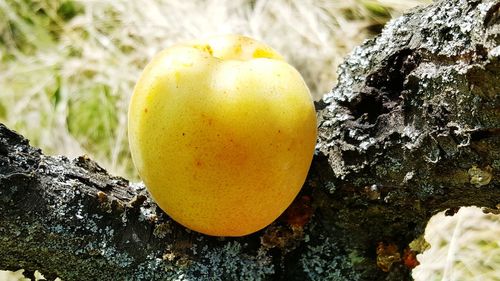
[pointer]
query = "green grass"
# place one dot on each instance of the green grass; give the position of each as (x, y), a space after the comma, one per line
(68, 68)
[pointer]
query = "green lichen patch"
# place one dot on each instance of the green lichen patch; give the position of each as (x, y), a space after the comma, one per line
(480, 177)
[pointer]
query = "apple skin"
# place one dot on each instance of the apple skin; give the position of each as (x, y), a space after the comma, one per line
(222, 132)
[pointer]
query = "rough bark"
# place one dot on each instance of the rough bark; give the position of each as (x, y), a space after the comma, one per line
(411, 129)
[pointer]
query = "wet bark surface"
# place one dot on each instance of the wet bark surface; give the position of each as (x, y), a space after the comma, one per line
(411, 129)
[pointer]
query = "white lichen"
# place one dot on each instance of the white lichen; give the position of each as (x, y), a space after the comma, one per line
(324, 262)
(228, 262)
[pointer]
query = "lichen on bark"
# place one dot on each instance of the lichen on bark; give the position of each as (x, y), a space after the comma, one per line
(412, 128)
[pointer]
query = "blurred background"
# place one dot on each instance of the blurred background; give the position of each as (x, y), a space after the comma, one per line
(68, 68)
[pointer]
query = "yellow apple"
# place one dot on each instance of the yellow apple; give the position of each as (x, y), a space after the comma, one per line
(222, 132)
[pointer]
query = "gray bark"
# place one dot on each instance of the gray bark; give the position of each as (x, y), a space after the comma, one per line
(412, 128)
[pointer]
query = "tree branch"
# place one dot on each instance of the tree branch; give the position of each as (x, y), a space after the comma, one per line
(411, 129)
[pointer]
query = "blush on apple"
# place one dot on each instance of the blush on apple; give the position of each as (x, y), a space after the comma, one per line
(222, 131)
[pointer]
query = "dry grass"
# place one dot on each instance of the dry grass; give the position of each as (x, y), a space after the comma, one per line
(464, 247)
(67, 70)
